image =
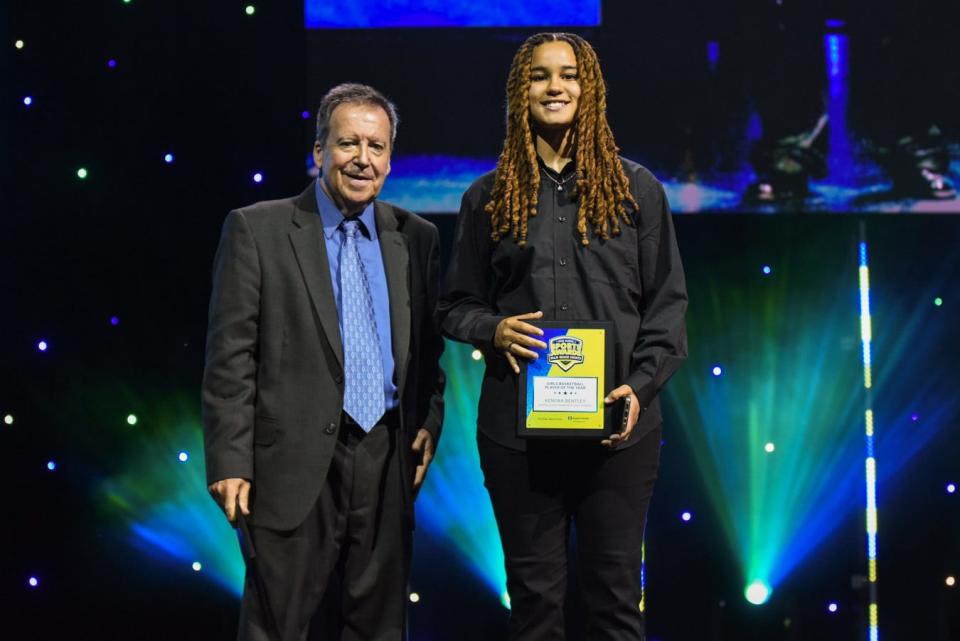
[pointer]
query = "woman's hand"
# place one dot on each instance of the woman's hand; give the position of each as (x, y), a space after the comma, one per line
(620, 437)
(514, 337)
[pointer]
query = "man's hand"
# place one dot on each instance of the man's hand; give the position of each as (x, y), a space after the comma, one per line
(619, 437)
(227, 493)
(513, 337)
(422, 446)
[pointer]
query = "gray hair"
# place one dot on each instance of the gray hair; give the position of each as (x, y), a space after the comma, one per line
(353, 93)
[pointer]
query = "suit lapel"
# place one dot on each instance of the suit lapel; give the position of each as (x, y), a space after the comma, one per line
(396, 264)
(310, 249)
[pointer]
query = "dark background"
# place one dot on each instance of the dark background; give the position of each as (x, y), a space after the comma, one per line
(224, 92)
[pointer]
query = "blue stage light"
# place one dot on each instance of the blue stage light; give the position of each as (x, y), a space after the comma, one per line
(832, 607)
(114, 320)
(168, 158)
(717, 370)
(713, 54)
(42, 346)
(51, 465)
(33, 582)
(183, 457)
(766, 270)
(834, 54)
(258, 178)
(27, 100)
(951, 488)
(686, 516)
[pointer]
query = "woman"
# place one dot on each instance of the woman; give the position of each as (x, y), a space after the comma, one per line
(565, 229)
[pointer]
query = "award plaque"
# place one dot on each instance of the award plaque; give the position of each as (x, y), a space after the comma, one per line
(562, 391)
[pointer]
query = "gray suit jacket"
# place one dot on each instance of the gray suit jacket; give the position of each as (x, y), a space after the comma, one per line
(272, 392)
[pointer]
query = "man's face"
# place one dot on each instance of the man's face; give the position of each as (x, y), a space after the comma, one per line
(554, 85)
(355, 157)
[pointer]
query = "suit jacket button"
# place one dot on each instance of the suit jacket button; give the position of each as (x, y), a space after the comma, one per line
(339, 378)
(331, 428)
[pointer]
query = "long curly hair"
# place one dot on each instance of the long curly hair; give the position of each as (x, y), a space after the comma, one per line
(602, 188)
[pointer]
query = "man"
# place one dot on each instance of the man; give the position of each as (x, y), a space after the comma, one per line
(322, 392)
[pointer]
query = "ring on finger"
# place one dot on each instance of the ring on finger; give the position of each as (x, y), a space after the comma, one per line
(509, 345)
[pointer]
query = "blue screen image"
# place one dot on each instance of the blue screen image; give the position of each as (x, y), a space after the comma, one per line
(375, 14)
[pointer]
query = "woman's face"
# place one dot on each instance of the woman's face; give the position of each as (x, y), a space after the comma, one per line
(554, 85)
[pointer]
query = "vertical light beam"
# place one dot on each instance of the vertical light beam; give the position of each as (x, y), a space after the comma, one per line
(840, 162)
(871, 462)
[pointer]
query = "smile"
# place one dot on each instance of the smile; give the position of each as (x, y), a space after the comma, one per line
(554, 105)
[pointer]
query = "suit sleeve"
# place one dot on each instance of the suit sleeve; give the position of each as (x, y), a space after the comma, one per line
(661, 344)
(229, 385)
(465, 312)
(435, 378)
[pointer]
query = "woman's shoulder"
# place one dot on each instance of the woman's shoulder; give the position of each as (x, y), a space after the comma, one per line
(478, 193)
(483, 183)
(641, 179)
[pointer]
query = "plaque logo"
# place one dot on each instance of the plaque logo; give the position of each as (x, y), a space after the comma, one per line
(565, 352)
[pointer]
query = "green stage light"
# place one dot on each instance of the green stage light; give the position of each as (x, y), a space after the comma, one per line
(159, 504)
(453, 506)
(789, 384)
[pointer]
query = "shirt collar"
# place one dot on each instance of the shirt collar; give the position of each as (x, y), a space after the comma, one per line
(331, 217)
(568, 170)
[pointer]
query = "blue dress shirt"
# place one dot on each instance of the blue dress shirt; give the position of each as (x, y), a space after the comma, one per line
(368, 246)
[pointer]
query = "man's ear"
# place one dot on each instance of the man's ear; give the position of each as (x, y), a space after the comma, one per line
(318, 155)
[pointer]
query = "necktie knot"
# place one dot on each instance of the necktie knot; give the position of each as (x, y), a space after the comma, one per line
(350, 227)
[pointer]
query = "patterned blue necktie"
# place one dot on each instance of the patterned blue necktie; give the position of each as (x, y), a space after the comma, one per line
(363, 397)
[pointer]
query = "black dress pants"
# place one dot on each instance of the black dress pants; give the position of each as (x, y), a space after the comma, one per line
(342, 574)
(536, 495)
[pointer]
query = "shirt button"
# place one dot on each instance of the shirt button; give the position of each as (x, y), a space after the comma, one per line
(331, 428)
(563, 262)
(563, 308)
(562, 219)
